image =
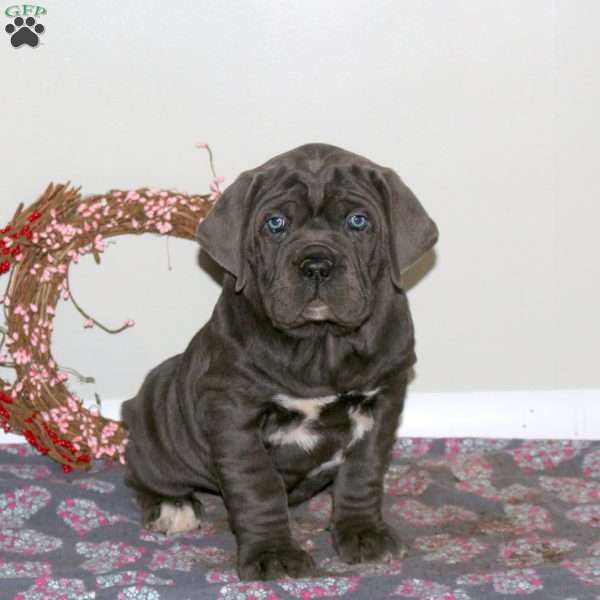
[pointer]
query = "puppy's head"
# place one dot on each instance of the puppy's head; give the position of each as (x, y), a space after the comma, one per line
(316, 230)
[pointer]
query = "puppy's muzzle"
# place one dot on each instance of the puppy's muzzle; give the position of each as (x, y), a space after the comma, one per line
(317, 263)
(316, 266)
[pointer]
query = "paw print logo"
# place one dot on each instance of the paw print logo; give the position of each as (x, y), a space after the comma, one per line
(24, 31)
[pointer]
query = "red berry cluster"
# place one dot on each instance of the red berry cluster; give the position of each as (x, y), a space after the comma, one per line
(36, 442)
(10, 248)
(4, 414)
(68, 445)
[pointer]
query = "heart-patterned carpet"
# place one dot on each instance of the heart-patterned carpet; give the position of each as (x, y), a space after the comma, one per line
(482, 519)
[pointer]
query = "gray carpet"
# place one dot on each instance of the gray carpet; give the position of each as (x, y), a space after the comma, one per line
(482, 519)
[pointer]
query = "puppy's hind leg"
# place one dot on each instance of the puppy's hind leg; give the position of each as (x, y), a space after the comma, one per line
(170, 515)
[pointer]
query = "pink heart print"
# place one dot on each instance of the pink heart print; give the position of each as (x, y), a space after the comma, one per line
(371, 569)
(27, 471)
(594, 549)
(137, 578)
(586, 570)
(475, 474)
(56, 589)
(450, 550)
(458, 446)
(572, 489)
(85, 515)
(29, 570)
(534, 550)
(422, 589)
(106, 556)
(514, 582)
(588, 515)
(541, 455)
(509, 494)
(528, 517)
(421, 515)
(253, 590)
(320, 587)
(471, 467)
(27, 541)
(222, 576)
(411, 447)
(591, 464)
(21, 504)
(137, 592)
(181, 557)
(402, 480)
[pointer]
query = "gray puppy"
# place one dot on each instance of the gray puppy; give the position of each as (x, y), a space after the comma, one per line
(297, 380)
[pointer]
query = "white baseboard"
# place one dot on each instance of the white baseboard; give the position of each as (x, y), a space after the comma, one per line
(537, 414)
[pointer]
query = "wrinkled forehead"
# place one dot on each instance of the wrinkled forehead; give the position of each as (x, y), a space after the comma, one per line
(315, 177)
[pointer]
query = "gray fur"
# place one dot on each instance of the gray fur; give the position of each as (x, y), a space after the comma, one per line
(290, 350)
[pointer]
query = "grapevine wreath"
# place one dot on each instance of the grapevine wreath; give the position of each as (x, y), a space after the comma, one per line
(37, 249)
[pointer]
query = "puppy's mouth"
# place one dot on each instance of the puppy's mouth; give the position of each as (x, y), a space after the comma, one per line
(317, 310)
(316, 317)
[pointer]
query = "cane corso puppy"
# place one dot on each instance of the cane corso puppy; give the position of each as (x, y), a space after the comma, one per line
(297, 380)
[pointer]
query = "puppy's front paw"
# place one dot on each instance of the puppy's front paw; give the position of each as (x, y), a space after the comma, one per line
(273, 563)
(366, 542)
(172, 518)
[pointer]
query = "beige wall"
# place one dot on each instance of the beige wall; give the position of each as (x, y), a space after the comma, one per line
(489, 111)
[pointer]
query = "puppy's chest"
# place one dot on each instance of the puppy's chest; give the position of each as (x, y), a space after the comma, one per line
(337, 421)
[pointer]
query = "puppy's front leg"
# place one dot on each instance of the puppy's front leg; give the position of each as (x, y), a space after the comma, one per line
(254, 494)
(359, 531)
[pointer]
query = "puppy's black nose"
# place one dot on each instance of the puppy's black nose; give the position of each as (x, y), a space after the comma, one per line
(316, 266)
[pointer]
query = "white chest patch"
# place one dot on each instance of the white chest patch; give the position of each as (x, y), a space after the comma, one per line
(362, 423)
(335, 461)
(303, 433)
(309, 407)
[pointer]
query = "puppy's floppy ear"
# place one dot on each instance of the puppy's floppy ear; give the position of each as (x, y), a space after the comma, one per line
(222, 233)
(411, 231)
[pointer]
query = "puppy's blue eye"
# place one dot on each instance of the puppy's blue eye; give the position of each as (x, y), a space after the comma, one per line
(277, 224)
(357, 222)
